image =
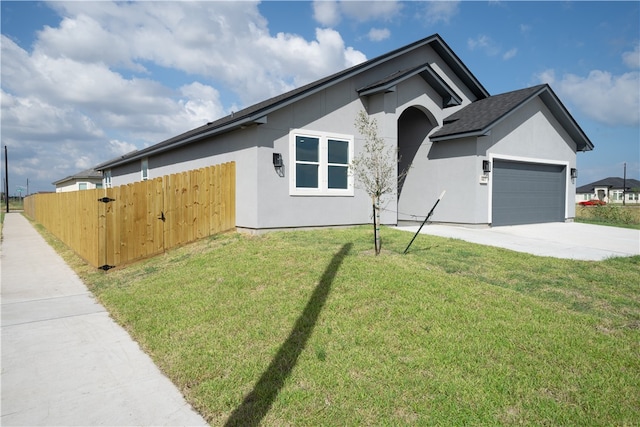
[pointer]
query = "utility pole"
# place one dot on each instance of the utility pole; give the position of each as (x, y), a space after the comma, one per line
(6, 177)
(624, 185)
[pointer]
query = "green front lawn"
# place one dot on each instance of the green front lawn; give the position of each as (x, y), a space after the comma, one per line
(310, 328)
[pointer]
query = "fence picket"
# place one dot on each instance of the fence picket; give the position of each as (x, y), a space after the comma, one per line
(194, 204)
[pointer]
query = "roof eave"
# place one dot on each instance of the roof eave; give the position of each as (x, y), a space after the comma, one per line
(469, 134)
(436, 42)
(150, 151)
(60, 181)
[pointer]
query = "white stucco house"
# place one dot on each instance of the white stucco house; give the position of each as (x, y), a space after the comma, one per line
(503, 159)
(85, 180)
(610, 190)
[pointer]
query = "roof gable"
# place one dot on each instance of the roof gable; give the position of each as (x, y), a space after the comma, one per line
(90, 174)
(388, 84)
(257, 113)
(477, 118)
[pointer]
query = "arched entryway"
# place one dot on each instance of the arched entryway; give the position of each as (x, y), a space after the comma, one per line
(414, 125)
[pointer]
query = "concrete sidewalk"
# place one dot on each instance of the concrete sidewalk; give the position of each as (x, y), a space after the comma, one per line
(570, 240)
(64, 360)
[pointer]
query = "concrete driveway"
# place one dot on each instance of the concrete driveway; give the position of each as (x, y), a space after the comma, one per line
(569, 240)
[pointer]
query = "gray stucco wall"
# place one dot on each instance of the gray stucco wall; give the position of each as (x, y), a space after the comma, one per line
(532, 134)
(126, 174)
(263, 196)
(444, 166)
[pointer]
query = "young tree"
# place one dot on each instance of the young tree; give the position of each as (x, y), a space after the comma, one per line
(375, 169)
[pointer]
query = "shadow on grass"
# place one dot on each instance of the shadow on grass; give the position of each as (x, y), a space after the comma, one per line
(257, 403)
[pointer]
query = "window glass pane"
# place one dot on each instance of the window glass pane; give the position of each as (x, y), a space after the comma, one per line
(307, 149)
(338, 151)
(82, 186)
(338, 177)
(306, 176)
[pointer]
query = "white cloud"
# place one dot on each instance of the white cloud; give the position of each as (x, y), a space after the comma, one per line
(378, 34)
(632, 59)
(291, 55)
(602, 96)
(119, 148)
(202, 102)
(440, 11)
(96, 45)
(364, 11)
(223, 41)
(547, 76)
(525, 28)
(86, 90)
(510, 53)
(484, 43)
(490, 47)
(329, 12)
(326, 12)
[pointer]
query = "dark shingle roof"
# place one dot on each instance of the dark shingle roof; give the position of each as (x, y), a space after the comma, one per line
(257, 112)
(480, 116)
(611, 182)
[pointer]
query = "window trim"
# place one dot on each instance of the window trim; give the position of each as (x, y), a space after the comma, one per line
(144, 168)
(323, 169)
(107, 178)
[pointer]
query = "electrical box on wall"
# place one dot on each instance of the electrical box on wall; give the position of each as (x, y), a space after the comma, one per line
(484, 179)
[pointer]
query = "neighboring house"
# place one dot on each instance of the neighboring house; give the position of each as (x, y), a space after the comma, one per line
(610, 190)
(503, 159)
(85, 180)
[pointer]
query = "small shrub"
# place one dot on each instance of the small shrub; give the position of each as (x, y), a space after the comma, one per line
(612, 213)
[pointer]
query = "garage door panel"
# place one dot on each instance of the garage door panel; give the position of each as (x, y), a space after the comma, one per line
(527, 193)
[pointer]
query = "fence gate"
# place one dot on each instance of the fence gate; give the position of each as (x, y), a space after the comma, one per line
(131, 222)
(145, 218)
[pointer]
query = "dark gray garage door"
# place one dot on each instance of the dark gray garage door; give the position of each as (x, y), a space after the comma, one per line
(527, 193)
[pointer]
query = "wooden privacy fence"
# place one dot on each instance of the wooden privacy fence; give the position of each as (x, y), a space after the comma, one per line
(114, 226)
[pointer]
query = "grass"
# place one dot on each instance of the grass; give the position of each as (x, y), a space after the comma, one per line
(14, 204)
(310, 328)
(611, 215)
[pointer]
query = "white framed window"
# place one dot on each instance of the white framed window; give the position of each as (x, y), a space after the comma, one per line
(633, 196)
(144, 168)
(320, 163)
(82, 186)
(616, 195)
(107, 178)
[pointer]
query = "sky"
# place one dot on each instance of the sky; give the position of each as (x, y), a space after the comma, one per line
(86, 81)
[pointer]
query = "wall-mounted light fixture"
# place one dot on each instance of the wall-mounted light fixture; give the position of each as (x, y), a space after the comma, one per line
(278, 164)
(486, 166)
(574, 173)
(277, 160)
